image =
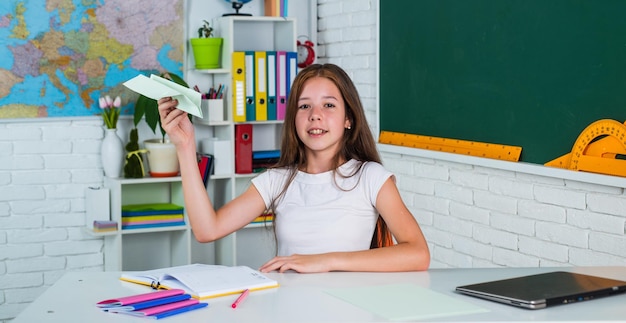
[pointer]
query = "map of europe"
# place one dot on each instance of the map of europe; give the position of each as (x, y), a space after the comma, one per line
(57, 57)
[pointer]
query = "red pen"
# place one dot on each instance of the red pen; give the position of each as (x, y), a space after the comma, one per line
(240, 298)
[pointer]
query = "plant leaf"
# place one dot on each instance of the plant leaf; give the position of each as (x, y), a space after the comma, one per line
(152, 114)
(140, 109)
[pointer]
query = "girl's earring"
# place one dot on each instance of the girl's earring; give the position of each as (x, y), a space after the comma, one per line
(349, 128)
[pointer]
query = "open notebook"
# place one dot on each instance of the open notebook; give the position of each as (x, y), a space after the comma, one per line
(543, 290)
(202, 281)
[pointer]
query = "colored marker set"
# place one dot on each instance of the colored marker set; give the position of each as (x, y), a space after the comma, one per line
(213, 93)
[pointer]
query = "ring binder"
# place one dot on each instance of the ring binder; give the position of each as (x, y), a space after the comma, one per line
(155, 284)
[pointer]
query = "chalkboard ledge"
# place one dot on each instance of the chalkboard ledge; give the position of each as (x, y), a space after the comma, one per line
(520, 167)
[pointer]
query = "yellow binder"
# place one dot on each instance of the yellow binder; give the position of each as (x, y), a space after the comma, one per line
(239, 87)
(260, 79)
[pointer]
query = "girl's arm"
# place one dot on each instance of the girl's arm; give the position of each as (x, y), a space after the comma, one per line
(409, 254)
(207, 223)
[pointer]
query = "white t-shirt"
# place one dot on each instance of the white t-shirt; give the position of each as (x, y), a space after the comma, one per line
(316, 216)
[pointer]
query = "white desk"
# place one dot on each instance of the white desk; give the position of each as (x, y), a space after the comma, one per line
(302, 298)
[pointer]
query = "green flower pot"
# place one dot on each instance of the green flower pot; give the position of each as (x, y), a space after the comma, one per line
(206, 52)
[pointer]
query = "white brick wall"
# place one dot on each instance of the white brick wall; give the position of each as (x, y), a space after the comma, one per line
(347, 37)
(44, 168)
(472, 216)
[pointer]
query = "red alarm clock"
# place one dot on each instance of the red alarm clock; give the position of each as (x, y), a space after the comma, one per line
(306, 54)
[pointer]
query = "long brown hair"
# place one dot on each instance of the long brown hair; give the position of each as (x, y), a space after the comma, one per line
(357, 143)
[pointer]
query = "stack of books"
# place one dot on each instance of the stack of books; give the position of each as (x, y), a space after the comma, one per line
(155, 305)
(138, 216)
(264, 218)
(262, 159)
(104, 226)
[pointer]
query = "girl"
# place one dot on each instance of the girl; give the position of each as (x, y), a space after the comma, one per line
(335, 206)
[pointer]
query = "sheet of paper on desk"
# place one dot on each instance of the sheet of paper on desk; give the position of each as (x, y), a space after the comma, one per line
(402, 302)
(157, 87)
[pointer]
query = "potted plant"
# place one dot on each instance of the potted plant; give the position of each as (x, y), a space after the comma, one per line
(162, 159)
(206, 48)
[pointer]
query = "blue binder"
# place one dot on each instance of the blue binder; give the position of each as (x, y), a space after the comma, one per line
(292, 69)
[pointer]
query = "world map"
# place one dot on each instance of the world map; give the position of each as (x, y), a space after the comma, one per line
(57, 57)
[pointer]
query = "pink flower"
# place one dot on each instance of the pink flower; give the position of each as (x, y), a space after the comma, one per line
(118, 102)
(103, 103)
(111, 110)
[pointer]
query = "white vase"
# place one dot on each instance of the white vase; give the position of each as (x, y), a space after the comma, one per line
(112, 154)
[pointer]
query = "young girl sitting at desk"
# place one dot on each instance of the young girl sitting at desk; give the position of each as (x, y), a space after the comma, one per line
(335, 207)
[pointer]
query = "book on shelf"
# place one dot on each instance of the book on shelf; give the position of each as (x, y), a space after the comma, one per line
(263, 159)
(263, 154)
(152, 225)
(153, 220)
(104, 226)
(151, 209)
(150, 218)
(202, 281)
(152, 215)
(205, 165)
(156, 305)
(263, 218)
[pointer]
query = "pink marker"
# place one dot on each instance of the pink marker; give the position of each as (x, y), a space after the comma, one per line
(241, 298)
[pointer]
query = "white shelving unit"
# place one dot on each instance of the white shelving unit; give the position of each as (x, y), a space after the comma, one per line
(254, 244)
(143, 249)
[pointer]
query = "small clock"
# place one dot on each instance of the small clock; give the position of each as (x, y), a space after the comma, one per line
(306, 54)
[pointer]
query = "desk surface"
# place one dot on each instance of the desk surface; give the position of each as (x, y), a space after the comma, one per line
(304, 298)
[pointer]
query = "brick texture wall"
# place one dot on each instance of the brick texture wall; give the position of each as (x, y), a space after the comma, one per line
(44, 169)
(475, 216)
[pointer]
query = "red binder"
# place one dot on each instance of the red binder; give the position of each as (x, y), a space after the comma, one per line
(243, 148)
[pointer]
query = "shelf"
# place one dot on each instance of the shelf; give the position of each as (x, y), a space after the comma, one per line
(157, 229)
(259, 225)
(146, 180)
(132, 249)
(99, 234)
(136, 231)
(212, 71)
(269, 122)
(197, 120)
(219, 176)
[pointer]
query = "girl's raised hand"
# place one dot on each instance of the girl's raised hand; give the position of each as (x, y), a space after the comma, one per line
(175, 122)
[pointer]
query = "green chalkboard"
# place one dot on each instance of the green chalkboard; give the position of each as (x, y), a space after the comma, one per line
(529, 73)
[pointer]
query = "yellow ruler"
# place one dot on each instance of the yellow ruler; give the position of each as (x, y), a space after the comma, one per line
(464, 147)
(600, 148)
